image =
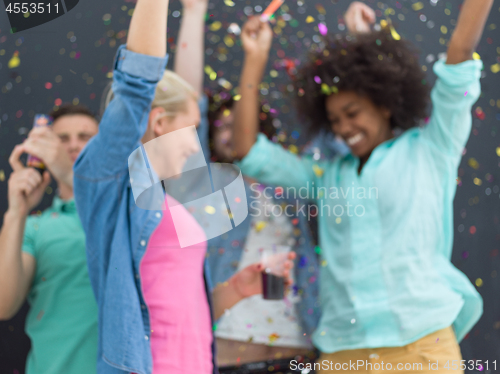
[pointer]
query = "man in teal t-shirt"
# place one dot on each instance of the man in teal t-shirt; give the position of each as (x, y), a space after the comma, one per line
(42, 257)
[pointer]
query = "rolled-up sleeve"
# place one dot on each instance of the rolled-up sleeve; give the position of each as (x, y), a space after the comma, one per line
(124, 122)
(455, 92)
(270, 164)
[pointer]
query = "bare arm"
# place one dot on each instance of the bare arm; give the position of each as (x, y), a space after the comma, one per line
(26, 189)
(469, 29)
(189, 57)
(16, 267)
(257, 38)
(147, 34)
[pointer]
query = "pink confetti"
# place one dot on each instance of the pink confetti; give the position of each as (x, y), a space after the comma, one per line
(437, 340)
(323, 30)
(466, 93)
(48, 85)
(317, 79)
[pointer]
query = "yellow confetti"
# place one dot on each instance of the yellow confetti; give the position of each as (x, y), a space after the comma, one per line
(215, 26)
(293, 149)
(15, 61)
(2, 174)
(495, 68)
(318, 171)
(259, 226)
(394, 34)
(338, 220)
(476, 56)
(444, 29)
(478, 181)
(228, 41)
(498, 151)
(473, 163)
(273, 337)
(210, 209)
(417, 6)
(228, 2)
(479, 282)
(309, 19)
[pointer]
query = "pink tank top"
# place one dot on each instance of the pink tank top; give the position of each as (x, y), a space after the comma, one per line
(174, 291)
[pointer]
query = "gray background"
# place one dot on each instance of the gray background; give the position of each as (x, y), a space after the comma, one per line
(75, 52)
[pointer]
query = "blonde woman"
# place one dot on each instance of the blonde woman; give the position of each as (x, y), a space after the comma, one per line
(153, 298)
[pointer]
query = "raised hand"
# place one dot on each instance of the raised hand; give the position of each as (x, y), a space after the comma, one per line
(26, 185)
(256, 37)
(359, 17)
(43, 143)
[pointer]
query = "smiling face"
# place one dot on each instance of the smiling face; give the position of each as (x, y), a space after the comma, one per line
(361, 124)
(75, 131)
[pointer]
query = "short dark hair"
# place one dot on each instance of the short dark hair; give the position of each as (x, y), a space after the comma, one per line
(220, 101)
(70, 109)
(374, 65)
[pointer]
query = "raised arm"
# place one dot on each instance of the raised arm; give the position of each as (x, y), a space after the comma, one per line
(256, 37)
(189, 56)
(469, 29)
(25, 191)
(147, 28)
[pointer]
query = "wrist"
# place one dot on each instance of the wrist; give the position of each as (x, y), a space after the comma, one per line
(13, 215)
(258, 58)
(196, 10)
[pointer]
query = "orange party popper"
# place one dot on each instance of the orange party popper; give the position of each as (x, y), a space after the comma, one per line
(273, 7)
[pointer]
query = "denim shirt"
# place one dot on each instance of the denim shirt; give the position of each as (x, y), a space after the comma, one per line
(306, 268)
(117, 230)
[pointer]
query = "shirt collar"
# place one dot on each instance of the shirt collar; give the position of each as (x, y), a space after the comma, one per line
(61, 205)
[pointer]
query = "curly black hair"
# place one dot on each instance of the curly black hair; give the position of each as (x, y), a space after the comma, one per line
(373, 65)
(218, 102)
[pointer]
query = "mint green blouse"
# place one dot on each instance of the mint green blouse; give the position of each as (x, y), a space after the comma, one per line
(386, 234)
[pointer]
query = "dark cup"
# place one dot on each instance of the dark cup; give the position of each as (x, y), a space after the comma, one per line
(273, 287)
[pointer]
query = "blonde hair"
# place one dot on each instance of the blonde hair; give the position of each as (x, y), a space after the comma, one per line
(172, 94)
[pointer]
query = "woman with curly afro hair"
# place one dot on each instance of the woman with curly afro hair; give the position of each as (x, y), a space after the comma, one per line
(390, 297)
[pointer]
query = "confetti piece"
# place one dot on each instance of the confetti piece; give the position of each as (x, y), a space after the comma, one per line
(229, 2)
(215, 26)
(417, 6)
(210, 209)
(465, 94)
(394, 34)
(476, 56)
(473, 163)
(437, 340)
(234, 29)
(273, 337)
(259, 226)
(15, 61)
(2, 175)
(495, 68)
(309, 19)
(318, 171)
(323, 30)
(273, 7)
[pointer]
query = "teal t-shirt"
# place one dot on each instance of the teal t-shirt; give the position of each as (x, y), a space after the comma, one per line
(386, 234)
(62, 321)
